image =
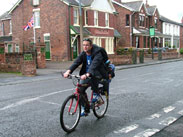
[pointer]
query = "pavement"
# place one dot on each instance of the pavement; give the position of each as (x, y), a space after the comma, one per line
(57, 67)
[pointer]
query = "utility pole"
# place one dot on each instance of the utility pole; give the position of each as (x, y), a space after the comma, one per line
(81, 26)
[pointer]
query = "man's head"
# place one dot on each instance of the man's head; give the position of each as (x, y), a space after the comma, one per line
(87, 45)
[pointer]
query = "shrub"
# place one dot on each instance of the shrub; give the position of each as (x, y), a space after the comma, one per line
(149, 51)
(181, 51)
(120, 51)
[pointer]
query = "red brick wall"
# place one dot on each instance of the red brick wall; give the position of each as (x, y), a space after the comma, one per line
(50, 21)
(120, 25)
(101, 17)
(181, 37)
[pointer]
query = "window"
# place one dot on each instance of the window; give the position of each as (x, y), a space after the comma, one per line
(106, 19)
(147, 22)
(76, 16)
(109, 45)
(35, 2)
(95, 18)
(36, 18)
(97, 41)
(2, 28)
(141, 20)
(167, 42)
(127, 20)
(10, 27)
(47, 37)
(16, 48)
(156, 23)
(86, 17)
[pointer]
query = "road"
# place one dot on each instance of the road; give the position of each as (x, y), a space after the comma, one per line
(143, 101)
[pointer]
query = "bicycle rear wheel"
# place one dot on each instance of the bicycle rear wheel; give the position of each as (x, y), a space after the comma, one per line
(69, 117)
(100, 107)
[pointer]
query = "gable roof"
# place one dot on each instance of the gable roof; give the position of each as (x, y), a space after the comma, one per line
(120, 4)
(76, 2)
(151, 10)
(136, 5)
(5, 16)
(14, 7)
(164, 19)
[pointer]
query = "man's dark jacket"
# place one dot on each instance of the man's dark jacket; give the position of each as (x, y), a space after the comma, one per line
(96, 69)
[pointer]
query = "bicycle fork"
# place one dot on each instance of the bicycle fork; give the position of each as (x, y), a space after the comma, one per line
(71, 104)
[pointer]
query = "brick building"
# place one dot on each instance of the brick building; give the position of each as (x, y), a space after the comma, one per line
(109, 23)
(56, 23)
(133, 22)
(6, 32)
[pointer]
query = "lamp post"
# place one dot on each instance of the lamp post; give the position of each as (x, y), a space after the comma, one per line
(81, 26)
(152, 34)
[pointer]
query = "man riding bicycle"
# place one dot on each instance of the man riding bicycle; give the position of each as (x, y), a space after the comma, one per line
(92, 66)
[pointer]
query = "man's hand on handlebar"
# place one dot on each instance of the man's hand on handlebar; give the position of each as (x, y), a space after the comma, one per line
(85, 76)
(66, 74)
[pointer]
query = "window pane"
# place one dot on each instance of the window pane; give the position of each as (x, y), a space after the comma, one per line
(37, 19)
(75, 16)
(106, 19)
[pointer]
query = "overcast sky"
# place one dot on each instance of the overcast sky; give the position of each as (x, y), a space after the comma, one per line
(171, 9)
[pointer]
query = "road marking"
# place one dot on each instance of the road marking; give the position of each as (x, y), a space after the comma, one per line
(127, 129)
(154, 116)
(168, 109)
(181, 101)
(48, 102)
(25, 101)
(168, 121)
(147, 133)
(180, 112)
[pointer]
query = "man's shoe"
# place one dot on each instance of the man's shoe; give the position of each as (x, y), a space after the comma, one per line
(95, 97)
(84, 112)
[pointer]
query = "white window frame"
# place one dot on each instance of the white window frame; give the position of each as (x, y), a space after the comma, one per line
(95, 18)
(35, 2)
(76, 16)
(2, 29)
(107, 19)
(10, 27)
(86, 18)
(109, 45)
(17, 48)
(46, 35)
(36, 18)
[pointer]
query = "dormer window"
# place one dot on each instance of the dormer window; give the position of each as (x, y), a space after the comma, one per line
(35, 2)
(141, 20)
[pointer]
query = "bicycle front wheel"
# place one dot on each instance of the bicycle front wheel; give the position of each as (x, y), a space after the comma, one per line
(100, 107)
(70, 114)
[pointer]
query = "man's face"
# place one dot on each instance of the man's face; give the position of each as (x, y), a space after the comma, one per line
(87, 46)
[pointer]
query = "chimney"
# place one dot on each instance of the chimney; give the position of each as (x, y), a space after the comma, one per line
(182, 20)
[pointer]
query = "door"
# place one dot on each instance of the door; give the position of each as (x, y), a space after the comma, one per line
(10, 48)
(47, 53)
(75, 49)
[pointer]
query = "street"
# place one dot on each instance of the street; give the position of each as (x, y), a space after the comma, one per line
(142, 101)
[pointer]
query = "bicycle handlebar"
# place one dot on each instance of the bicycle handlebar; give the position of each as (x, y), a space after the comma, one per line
(71, 76)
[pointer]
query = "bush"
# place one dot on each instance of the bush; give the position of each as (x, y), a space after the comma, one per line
(149, 51)
(181, 51)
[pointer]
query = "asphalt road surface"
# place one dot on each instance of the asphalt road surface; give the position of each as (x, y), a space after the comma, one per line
(143, 102)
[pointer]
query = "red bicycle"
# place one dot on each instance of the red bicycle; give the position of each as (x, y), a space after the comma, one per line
(71, 107)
